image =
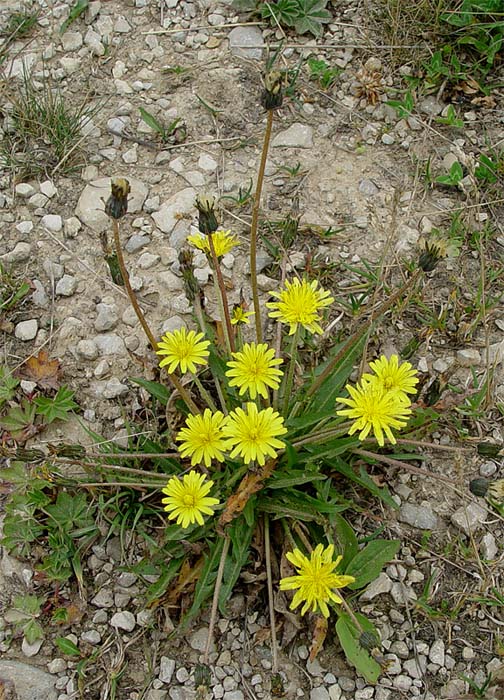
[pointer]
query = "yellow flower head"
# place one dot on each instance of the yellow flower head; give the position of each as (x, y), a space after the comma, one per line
(300, 303)
(202, 438)
(392, 376)
(375, 409)
(315, 579)
(183, 349)
(223, 241)
(254, 433)
(239, 315)
(188, 500)
(253, 369)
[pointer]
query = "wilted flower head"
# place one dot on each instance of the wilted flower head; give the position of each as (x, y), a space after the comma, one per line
(205, 204)
(116, 205)
(435, 248)
(272, 95)
(191, 285)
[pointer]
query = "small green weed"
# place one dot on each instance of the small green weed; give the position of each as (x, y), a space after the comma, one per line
(480, 691)
(451, 119)
(79, 7)
(322, 72)
(243, 197)
(23, 616)
(19, 25)
(304, 16)
(165, 132)
(453, 178)
(12, 290)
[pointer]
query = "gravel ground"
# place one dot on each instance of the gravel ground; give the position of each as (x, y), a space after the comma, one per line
(362, 174)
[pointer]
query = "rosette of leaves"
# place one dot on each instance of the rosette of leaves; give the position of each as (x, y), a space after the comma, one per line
(304, 16)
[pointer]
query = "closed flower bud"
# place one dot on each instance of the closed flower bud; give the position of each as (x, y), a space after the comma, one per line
(490, 449)
(186, 267)
(207, 220)
(116, 205)
(429, 259)
(202, 676)
(479, 487)
(272, 95)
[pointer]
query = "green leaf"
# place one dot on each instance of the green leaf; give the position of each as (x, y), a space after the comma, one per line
(157, 589)
(67, 646)
(368, 563)
(33, 631)
(346, 540)
(205, 585)
(456, 172)
(284, 11)
(19, 418)
(363, 479)
(58, 407)
(151, 121)
(71, 513)
(293, 477)
(76, 11)
(349, 635)
(155, 389)
(311, 16)
(8, 384)
(240, 533)
(29, 604)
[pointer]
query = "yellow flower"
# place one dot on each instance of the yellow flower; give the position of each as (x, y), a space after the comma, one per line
(184, 350)
(202, 438)
(376, 409)
(223, 241)
(239, 315)
(253, 369)
(188, 500)
(315, 579)
(394, 377)
(254, 433)
(300, 303)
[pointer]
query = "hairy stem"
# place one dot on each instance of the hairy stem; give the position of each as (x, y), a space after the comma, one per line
(289, 379)
(271, 605)
(215, 600)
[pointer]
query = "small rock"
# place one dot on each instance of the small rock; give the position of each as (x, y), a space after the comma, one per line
(109, 344)
(296, 136)
(387, 139)
(39, 296)
(379, 586)
(114, 388)
(346, 684)
(234, 695)
(31, 649)
(198, 640)
(246, 42)
(167, 669)
(103, 599)
(57, 665)
(335, 692)
(402, 682)
(87, 349)
(487, 469)
(93, 42)
(19, 253)
(48, 188)
(38, 201)
(136, 242)
(368, 188)
(66, 286)
(24, 227)
(468, 357)
(71, 227)
(30, 682)
(489, 547)
(123, 620)
(26, 330)
(421, 517)
(23, 189)
(430, 106)
(207, 163)
(107, 317)
(469, 518)
(168, 215)
(454, 689)
(92, 637)
(319, 693)
(147, 260)
(71, 41)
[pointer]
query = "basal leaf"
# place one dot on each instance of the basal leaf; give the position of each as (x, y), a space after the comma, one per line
(155, 389)
(349, 636)
(346, 540)
(205, 586)
(240, 533)
(368, 563)
(311, 16)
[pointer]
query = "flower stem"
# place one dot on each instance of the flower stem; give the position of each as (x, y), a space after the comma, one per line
(134, 303)
(253, 225)
(289, 380)
(215, 600)
(223, 296)
(267, 548)
(204, 393)
(323, 435)
(129, 290)
(356, 335)
(402, 465)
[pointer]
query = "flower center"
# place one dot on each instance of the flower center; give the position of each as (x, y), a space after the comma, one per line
(388, 382)
(189, 500)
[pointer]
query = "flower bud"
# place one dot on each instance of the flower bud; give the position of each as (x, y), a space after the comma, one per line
(429, 258)
(479, 487)
(369, 641)
(205, 205)
(272, 95)
(490, 449)
(116, 205)
(191, 285)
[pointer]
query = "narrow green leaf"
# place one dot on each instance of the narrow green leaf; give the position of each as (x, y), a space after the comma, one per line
(151, 121)
(368, 563)
(349, 635)
(346, 540)
(75, 12)
(158, 588)
(363, 479)
(155, 389)
(240, 533)
(205, 585)
(67, 646)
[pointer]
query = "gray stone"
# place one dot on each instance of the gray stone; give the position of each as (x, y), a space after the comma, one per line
(136, 242)
(91, 205)
(156, 694)
(421, 517)
(296, 136)
(206, 162)
(24, 227)
(456, 688)
(31, 649)
(109, 344)
(53, 222)
(346, 684)
(48, 188)
(66, 286)
(72, 41)
(167, 667)
(114, 388)
(123, 620)
(319, 693)
(87, 349)
(30, 682)
(234, 695)
(71, 227)
(103, 599)
(25, 190)
(26, 330)
(379, 586)
(246, 42)
(368, 188)
(469, 518)
(487, 469)
(402, 682)
(57, 665)
(147, 260)
(335, 692)
(437, 652)
(468, 357)
(19, 253)
(93, 42)
(107, 317)
(168, 215)
(489, 547)
(92, 637)
(198, 640)
(38, 201)
(415, 668)
(430, 106)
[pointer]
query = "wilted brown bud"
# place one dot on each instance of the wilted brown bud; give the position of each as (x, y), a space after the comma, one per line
(205, 205)
(186, 266)
(272, 95)
(116, 205)
(479, 487)
(429, 258)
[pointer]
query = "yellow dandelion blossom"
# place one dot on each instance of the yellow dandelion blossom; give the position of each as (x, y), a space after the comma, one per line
(253, 369)
(392, 376)
(202, 438)
(315, 580)
(299, 304)
(224, 241)
(183, 349)
(375, 409)
(188, 499)
(253, 433)
(239, 315)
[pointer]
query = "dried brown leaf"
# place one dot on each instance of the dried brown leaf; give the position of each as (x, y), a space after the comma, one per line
(43, 371)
